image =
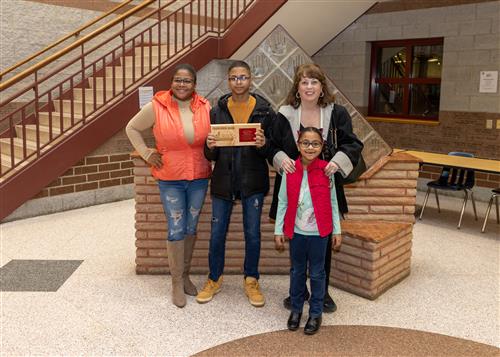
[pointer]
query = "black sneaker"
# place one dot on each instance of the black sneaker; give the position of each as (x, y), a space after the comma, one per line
(329, 305)
(287, 303)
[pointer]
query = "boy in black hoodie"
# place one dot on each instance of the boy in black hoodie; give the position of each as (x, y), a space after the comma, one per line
(240, 172)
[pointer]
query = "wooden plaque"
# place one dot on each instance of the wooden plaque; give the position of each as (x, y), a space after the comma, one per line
(234, 134)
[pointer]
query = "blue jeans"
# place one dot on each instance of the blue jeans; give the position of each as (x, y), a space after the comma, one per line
(221, 213)
(182, 201)
(304, 251)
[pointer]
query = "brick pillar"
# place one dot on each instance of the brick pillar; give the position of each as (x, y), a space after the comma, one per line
(151, 232)
(387, 192)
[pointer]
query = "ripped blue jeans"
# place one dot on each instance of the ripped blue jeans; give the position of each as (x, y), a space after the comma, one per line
(182, 201)
(221, 214)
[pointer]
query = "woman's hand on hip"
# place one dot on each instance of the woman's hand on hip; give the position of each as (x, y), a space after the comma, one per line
(279, 243)
(337, 241)
(211, 141)
(155, 160)
(331, 168)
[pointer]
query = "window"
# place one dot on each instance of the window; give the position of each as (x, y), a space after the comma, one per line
(405, 79)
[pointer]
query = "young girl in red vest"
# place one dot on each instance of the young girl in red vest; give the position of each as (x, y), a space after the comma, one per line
(307, 214)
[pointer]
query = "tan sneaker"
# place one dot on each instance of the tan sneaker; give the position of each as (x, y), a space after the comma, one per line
(209, 290)
(253, 292)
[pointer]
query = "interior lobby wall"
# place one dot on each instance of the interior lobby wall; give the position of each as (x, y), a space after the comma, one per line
(471, 44)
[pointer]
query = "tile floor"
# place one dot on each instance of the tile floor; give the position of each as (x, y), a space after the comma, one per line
(104, 308)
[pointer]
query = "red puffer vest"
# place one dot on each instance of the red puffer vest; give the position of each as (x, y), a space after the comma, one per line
(319, 186)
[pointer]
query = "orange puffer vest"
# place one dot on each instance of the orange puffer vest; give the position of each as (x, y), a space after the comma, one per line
(181, 160)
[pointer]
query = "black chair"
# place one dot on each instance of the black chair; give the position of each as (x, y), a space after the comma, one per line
(494, 195)
(453, 179)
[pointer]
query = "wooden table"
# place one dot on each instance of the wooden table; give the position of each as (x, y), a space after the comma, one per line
(484, 165)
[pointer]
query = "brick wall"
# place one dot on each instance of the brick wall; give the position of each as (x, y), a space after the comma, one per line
(151, 254)
(373, 257)
(91, 173)
(457, 131)
(387, 192)
(109, 165)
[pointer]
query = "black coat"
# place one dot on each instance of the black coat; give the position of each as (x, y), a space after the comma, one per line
(241, 171)
(348, 143)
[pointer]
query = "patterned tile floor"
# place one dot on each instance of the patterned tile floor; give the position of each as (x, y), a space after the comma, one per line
(104, 308)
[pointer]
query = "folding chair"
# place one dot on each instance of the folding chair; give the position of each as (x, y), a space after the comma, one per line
(494, 195)
(453, 179)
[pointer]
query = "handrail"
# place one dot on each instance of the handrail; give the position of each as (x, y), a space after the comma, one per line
(74, 45)
(68, 109)
(61, 40)
(52, 106)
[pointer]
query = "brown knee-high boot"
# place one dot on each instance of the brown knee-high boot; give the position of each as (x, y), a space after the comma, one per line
(189, 287)
(176, 265)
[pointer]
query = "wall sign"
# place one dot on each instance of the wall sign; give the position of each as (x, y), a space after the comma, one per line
(145, 95)
(488, 81)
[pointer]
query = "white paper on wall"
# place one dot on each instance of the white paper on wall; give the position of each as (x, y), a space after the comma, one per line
(145, 95)
(488, 81)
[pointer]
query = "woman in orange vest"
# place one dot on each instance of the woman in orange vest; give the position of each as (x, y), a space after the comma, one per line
(181, 122)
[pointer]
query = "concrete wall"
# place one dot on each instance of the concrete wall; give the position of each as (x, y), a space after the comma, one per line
(311, 23)
(471, 44)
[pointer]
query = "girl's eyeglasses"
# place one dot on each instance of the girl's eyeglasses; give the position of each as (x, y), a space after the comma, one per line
(305, 144)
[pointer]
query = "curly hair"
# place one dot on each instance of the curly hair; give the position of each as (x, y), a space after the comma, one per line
(309, 70)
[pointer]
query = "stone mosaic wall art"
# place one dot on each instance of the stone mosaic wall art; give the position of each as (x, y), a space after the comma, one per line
(273, 63)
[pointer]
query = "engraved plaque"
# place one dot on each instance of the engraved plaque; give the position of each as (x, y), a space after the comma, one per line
(234, 134)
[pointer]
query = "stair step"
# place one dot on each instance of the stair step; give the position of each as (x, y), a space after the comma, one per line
(129, 61)
(89, 94)
(44, 132)
(6, 162)
(109, 83)
(153, 50)
(129, 71)
(18, 147)
(43, 119)
(65, 106)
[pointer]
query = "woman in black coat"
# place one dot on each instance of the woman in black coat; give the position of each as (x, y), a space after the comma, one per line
(310, 103)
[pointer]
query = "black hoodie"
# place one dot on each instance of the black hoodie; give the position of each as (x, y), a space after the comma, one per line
(241, 171)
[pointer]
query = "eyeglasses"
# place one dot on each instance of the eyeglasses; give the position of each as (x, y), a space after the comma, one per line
(306, 143)
(239, 78)
(183, 81)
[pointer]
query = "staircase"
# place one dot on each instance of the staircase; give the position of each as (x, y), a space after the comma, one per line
(67, 116)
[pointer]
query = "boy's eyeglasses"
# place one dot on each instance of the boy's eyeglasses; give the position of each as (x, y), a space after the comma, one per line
(305, 144)
(239, 78)
(183, 81)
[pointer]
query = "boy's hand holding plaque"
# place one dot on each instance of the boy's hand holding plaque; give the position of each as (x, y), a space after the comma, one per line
(234, 134)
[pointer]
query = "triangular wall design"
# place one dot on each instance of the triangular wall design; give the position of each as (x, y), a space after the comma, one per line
(273, 63)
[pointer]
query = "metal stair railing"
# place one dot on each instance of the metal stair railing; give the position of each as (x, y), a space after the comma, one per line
(62, 100)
